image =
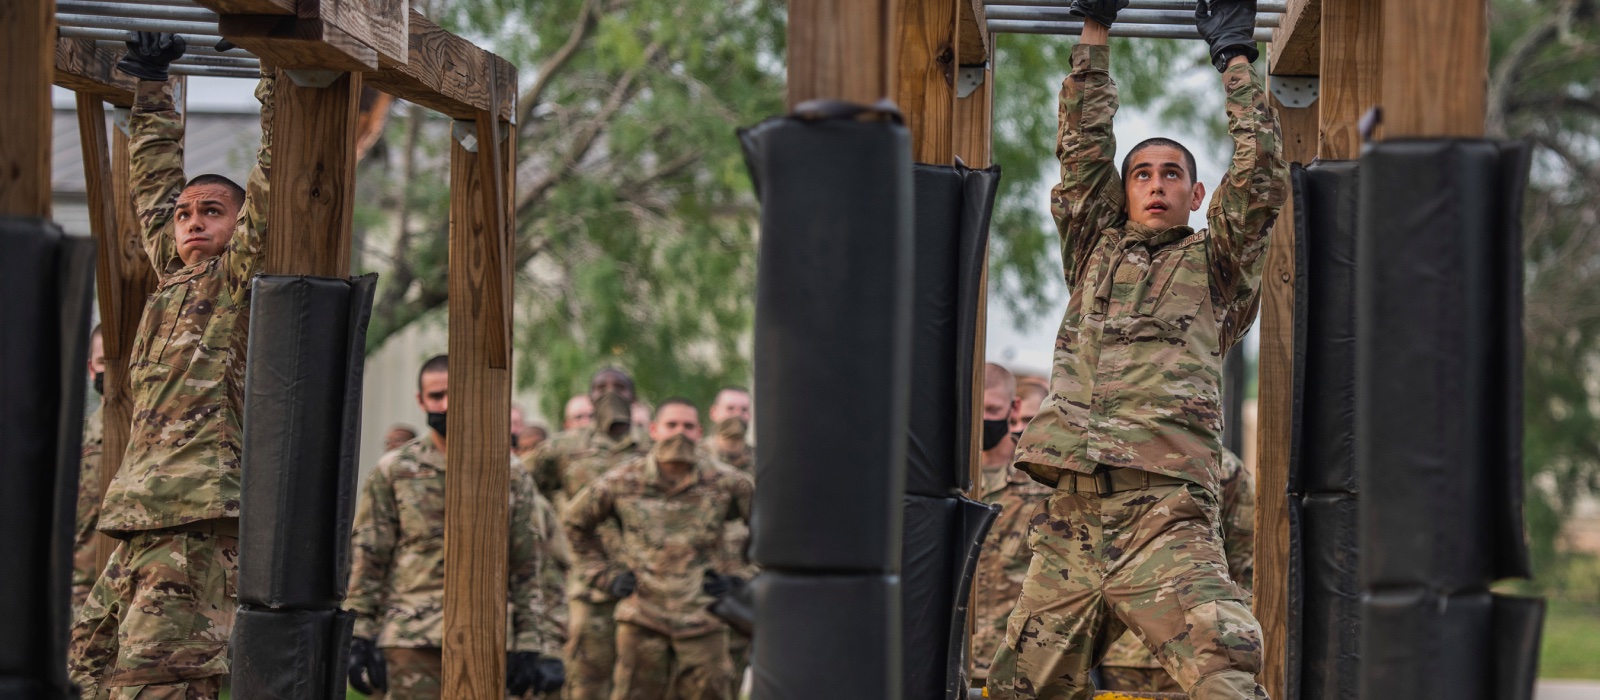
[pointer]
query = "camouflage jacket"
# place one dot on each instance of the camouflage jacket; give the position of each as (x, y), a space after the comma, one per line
(1238, 543)
(1138, 358)
(1003, 561)
(743, 458)
(573, 459)
(84, 571)
(736, 534)
(555, 565)
(670, 535)
(187, 366)
(397, 555)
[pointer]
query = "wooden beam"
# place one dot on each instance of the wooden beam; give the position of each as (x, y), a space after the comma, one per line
(1275, 419)
(26, 53)
(295, 43)
(378, 24)
(313, 177)
(477, 477)
(1352, 71)
(249, 7)
(1296, 43)
(85, 68)
(842, 50)
(448, 74)
(1437, 87)
(974, 127)
(925, 87)
(974, 34)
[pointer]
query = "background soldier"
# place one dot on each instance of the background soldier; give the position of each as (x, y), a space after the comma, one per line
(157, 619)
(579, 413)
(397, 568)
(399, 434)
(1030, 395)
(1003, 561)
(730, 425)
(1130, 434)
(88, 511)
(671, 507)
(1131, 667)
(568, 462)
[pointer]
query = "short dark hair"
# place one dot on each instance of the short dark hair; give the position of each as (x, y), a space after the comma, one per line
(676, 400)
(437, 363)
(215, 179)
(1188, 157)
(613, 369)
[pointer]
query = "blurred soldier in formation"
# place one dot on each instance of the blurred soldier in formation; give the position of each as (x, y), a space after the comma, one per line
(730, 426)
(399, 434)
(579, 413)
(88, 511)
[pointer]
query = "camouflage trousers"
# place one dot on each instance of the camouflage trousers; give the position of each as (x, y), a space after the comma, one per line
(157, 621)
(414, 674)
(1149, 560)
(591, 649)
(654, 666)
(1138, 680)
(739, 652)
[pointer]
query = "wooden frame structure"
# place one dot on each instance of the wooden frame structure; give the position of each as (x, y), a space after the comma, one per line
(324, 50)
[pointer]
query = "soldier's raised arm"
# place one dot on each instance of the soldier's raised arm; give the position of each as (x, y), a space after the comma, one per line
(246, 250)
(155, 144)
(1089, 197)
(1257, 184)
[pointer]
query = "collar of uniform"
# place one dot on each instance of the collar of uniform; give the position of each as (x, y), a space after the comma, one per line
(1132, 234)
(187, 272)
(425, 451)
(599, 438)
(652, 472)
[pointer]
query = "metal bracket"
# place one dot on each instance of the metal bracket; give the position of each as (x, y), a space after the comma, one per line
(1298, 93)
(122, 118)
(313, 78)
(968, 78)
(465, 132)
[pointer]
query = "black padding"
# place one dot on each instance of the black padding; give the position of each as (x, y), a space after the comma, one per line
(929, 571)
(833, 341)
(737, 609)
(1325, 208)
(302, 422)
(1302, 298)
(1295, 618)
(976, 519)
(826, 636)
(978, 189)
(1518, 626)
(1330, 629)
(1511, 556)
(289, 654)
(935, 422)
(46, 283)
(1421, 646)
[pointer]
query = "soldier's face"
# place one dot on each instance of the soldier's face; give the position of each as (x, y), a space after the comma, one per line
(579, 413)
(611, 381)
(434, 396)
(203, 221)
(97, 356)
(730, 404)
(673, 419)
(1160, 189)
(1027, 408)
(998, 405)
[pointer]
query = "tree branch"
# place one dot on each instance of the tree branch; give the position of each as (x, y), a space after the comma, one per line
(557, 61)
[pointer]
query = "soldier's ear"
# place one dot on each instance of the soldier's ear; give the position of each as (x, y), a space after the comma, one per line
(1199, 195)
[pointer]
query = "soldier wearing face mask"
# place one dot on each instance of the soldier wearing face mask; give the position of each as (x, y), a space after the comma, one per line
(669, 566)
(83, 564)
(728, 443)
(562, 467)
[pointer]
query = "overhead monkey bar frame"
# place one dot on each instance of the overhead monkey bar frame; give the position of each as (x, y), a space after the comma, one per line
(1143, 19)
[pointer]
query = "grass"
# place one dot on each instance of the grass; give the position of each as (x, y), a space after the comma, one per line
(1571, 647)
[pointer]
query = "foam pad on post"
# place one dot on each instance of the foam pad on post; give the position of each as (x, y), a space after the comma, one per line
(301, 423)
(290, 654)
(1518, 624)
(826, 636)
(46, 281)
(1330, 622)
(1325, 208)
(976, 519)
(929, 570)
(833, 341)
(1418, 645)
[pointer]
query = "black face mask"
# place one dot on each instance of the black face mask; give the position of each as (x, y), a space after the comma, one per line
(513, 441)
(436, 421)
(994, 431)
(100, 383)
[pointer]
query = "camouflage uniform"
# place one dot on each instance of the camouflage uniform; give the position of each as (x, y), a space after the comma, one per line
(563, 465)
(150, 620)
(1128, 665)
(397, 562)
(1003, 561)
(84, 572)
(737, 535)
(1138, 363)
(668, 645)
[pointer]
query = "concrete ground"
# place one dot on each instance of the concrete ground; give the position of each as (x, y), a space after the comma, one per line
(1567, 690)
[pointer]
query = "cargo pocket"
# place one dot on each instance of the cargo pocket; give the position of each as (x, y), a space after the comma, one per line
(1221, 636)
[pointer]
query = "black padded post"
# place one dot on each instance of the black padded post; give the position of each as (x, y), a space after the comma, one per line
(290, 654)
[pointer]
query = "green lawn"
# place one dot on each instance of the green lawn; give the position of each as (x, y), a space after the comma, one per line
(1571, 646)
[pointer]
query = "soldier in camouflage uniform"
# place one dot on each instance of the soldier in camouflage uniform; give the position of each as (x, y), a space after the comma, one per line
(1003, 561)
(1131, 432)
(671, 507)
(397, 568)
(157, 620)
(88, 511)
(1129, 666)
(564, 465)
(730, 425)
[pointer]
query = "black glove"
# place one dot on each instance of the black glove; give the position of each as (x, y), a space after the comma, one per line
(149, 54)
(717, 586)
(367, 667)
(1229, 27)
(623, 585)
(1102, 11)
(551, 675)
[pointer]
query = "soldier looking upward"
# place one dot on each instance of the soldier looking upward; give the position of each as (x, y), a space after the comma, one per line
(159, 615)
(1130, 435)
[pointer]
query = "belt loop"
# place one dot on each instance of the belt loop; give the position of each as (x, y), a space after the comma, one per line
(1103, 484)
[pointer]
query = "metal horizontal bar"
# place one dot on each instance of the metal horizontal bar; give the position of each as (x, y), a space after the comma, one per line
(1184, 5)
(216, 71)
(130, 24)
(119, 43)
(1137, 31)
(100, 8)
(1061, 14)
(168, 3)
(229, 61)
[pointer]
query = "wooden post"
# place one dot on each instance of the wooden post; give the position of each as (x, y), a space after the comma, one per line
(1352, 68)
(123, 279)
(477, 477)
(841, 49)
(925, 87)
(1437, 87)
(28, 54)
(313, 177)
(1275, 415)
